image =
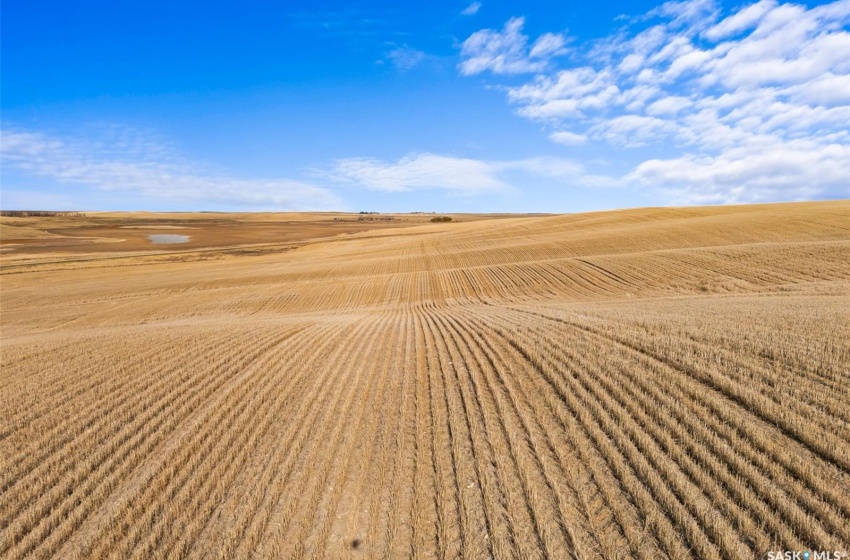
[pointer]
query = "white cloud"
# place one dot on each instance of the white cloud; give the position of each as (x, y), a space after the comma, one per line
(125, 162)
(555, 109)
(560, 171)
(633, 130)
(472, 9)
(743, 100)
(404, 57)
(420, 171)
(741, 21)
(548, 45)
(507, 51)
(568, 138)
(575, 84)
(671, 105)
(795, 170)
(827, 90)
(129, 162)
(460, 176)
(631, 63)
(687, 12)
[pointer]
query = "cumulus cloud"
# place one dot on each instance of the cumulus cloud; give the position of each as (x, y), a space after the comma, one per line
(125, 161)
(754, 103)
(507, 51)
(743, 175)
(459, 176)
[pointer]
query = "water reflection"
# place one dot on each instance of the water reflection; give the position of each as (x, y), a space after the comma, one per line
(160, 238)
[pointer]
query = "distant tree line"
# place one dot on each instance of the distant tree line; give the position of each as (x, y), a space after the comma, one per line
(373, 219)
(39, 214)
(441, 219)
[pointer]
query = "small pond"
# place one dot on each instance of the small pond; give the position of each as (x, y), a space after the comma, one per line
(161, 238)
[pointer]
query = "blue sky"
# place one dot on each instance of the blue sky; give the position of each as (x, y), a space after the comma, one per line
(457, 106)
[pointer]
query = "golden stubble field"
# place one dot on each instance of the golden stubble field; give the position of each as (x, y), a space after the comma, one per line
(649, 383)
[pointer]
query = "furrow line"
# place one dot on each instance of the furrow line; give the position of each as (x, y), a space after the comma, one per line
(555, 459)
(295, 527)
(660, 517)
(203, 494)
(80, 479)
(316, 410)
(152, 477)
(450, 516)
(772, 477)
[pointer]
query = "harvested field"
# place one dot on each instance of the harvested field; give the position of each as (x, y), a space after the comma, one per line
(649, 383)
(67, 236)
